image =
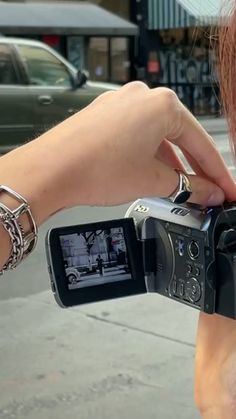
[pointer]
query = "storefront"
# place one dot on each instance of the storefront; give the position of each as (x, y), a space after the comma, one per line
(91, 37)
(181, 54)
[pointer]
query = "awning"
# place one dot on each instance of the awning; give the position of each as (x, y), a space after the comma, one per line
(62, 19)
(167, 14)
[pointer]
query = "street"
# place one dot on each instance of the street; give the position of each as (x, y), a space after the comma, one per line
(109, 275)
(129, 358)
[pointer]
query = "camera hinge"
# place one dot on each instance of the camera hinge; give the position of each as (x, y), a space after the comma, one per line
(149, 255)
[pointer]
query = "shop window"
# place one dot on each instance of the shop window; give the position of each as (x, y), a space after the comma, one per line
(75, 51)
(120, 64)
(54, 41)
(98, 58)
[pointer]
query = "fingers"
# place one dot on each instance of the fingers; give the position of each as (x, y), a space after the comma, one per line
(204, 192)
(167, 155)
(165, 180)
(194, 165)
(192, 138)
(133, 86)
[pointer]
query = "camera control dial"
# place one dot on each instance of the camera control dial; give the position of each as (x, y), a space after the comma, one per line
(193, 290)
(193, 250)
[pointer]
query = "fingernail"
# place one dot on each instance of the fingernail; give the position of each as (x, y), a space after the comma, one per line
(216, 198)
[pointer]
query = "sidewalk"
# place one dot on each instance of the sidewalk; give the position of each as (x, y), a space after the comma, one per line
(131, 358)
(214, 125)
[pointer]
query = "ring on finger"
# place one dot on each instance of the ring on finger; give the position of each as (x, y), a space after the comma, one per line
(183, 191)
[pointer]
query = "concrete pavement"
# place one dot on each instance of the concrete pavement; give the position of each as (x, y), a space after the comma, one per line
(129, 358)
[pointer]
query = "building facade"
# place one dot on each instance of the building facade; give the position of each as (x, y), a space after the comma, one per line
(173, 48)
(104, 48)
(182, 55)
(107, 58)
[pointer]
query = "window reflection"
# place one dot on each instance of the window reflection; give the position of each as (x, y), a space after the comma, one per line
(98, 59)
(108, 59)
(43, 68)
(119, 60)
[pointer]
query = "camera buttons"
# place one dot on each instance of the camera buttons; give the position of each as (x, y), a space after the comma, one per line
(181, 247)
(193, 250)
(197, 271)
(193, 290)
(189, 269)
(178, 289)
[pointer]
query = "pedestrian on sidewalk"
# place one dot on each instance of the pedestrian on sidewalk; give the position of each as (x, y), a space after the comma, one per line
(100, 265)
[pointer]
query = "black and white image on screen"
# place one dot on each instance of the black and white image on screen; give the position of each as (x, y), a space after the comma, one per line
(95, 257)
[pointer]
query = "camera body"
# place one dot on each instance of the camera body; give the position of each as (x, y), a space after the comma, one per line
(188, 253)
(182, 252)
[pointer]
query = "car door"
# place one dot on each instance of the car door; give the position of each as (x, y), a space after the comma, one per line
(52, 85)
(16, 108)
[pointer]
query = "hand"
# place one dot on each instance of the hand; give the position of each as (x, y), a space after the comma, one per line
(121, 147)
(117, 149)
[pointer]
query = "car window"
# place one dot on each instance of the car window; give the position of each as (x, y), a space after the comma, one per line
(7, 70)
(43, 68)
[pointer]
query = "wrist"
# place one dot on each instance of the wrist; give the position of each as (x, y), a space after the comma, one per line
(74, 162)
(51, 171)
(32, 171)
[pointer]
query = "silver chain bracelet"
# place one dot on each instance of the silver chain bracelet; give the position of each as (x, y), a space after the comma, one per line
(22, 244)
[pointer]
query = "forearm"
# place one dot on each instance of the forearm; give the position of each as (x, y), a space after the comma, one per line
(41, 171)
(94, 157)
(215, 369)
(224, 412)
(214, 399)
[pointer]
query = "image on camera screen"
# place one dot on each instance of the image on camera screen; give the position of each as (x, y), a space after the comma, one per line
(95, 257)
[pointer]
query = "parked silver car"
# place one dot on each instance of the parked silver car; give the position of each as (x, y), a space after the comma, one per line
(38, 88)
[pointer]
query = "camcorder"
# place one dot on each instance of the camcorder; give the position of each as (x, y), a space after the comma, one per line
(182, 252)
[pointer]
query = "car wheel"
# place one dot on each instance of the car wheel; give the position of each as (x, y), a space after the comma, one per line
(72, 279)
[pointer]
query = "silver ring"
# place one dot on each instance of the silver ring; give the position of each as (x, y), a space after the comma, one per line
(183, 191)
